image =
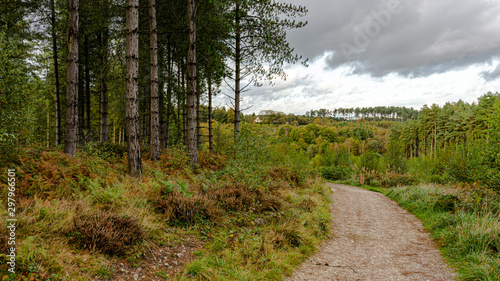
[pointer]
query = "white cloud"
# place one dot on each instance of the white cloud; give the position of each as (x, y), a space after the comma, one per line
(318, 87)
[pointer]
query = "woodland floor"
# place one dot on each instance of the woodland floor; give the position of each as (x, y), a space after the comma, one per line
(373, 239)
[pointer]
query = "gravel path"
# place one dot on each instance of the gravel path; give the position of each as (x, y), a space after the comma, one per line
(373, 239)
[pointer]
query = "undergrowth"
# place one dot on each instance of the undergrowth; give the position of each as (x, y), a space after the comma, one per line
(258, 208)
(464, 220)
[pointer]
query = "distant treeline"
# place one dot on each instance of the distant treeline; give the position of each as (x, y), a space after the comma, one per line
(378, 113)
(456, 123)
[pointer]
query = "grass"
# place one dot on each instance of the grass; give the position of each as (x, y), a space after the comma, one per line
(464, 220)
(259, 213)
(265, 246)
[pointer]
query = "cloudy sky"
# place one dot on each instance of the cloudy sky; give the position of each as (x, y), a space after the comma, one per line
(387, 52)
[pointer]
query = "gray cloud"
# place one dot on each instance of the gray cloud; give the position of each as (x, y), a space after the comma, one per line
(419, 38)
(493, 75)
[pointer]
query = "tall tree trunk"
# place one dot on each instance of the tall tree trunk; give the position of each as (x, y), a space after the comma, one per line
(155, 107)
(48, 129)
(103, 109)
(56, 72)
(132, 91)
(81, 105)
(184, 108)
(191, 86)
(161, 97)
(237, 60)
(72, 81)
(169, 95)
(198, 117)
(210, 132)
(87, 89)
(179, 103)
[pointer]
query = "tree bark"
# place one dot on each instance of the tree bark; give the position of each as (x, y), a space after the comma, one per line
(198, 117)
(103, 59)
(155, 107)
(184, 108)
(72, 81)
(179, 103)
(210, 132)
(161, 97)
(87, 89)
(56, 72)
(132, 89)
(191, 86)
(81, 106)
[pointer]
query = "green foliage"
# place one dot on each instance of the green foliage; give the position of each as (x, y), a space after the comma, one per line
(285, 130)
(370, 161)
(113, 194)
(395, 179)
(312, 150)
(336, 172)
(16, 106)
(169, 187)
(362, 134)
(456, 143)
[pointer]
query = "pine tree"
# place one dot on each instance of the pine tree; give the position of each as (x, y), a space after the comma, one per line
(72, 83)
(132, 91)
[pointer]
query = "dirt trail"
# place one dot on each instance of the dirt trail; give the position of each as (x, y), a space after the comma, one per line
(373, 239)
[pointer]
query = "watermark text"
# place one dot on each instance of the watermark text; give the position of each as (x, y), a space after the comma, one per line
(11, 220)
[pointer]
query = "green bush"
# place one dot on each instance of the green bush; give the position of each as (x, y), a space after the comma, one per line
(370, 161)
(336, 172)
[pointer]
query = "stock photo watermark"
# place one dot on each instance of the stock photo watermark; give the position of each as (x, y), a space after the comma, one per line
(11, 220)
(371, 28)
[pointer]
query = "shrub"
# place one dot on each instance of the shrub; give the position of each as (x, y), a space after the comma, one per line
(285, 174)
(239, 198)
(107, 232)
(211, 160)
(391, 179)
(183, 209)
(446, 202)
(335, 172)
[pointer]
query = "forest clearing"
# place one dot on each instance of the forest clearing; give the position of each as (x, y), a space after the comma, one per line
(152, 140)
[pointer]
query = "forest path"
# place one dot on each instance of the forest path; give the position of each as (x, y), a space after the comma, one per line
(373, 239)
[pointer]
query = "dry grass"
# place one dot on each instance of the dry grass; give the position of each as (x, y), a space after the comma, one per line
(181, 208)
(106, 232)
